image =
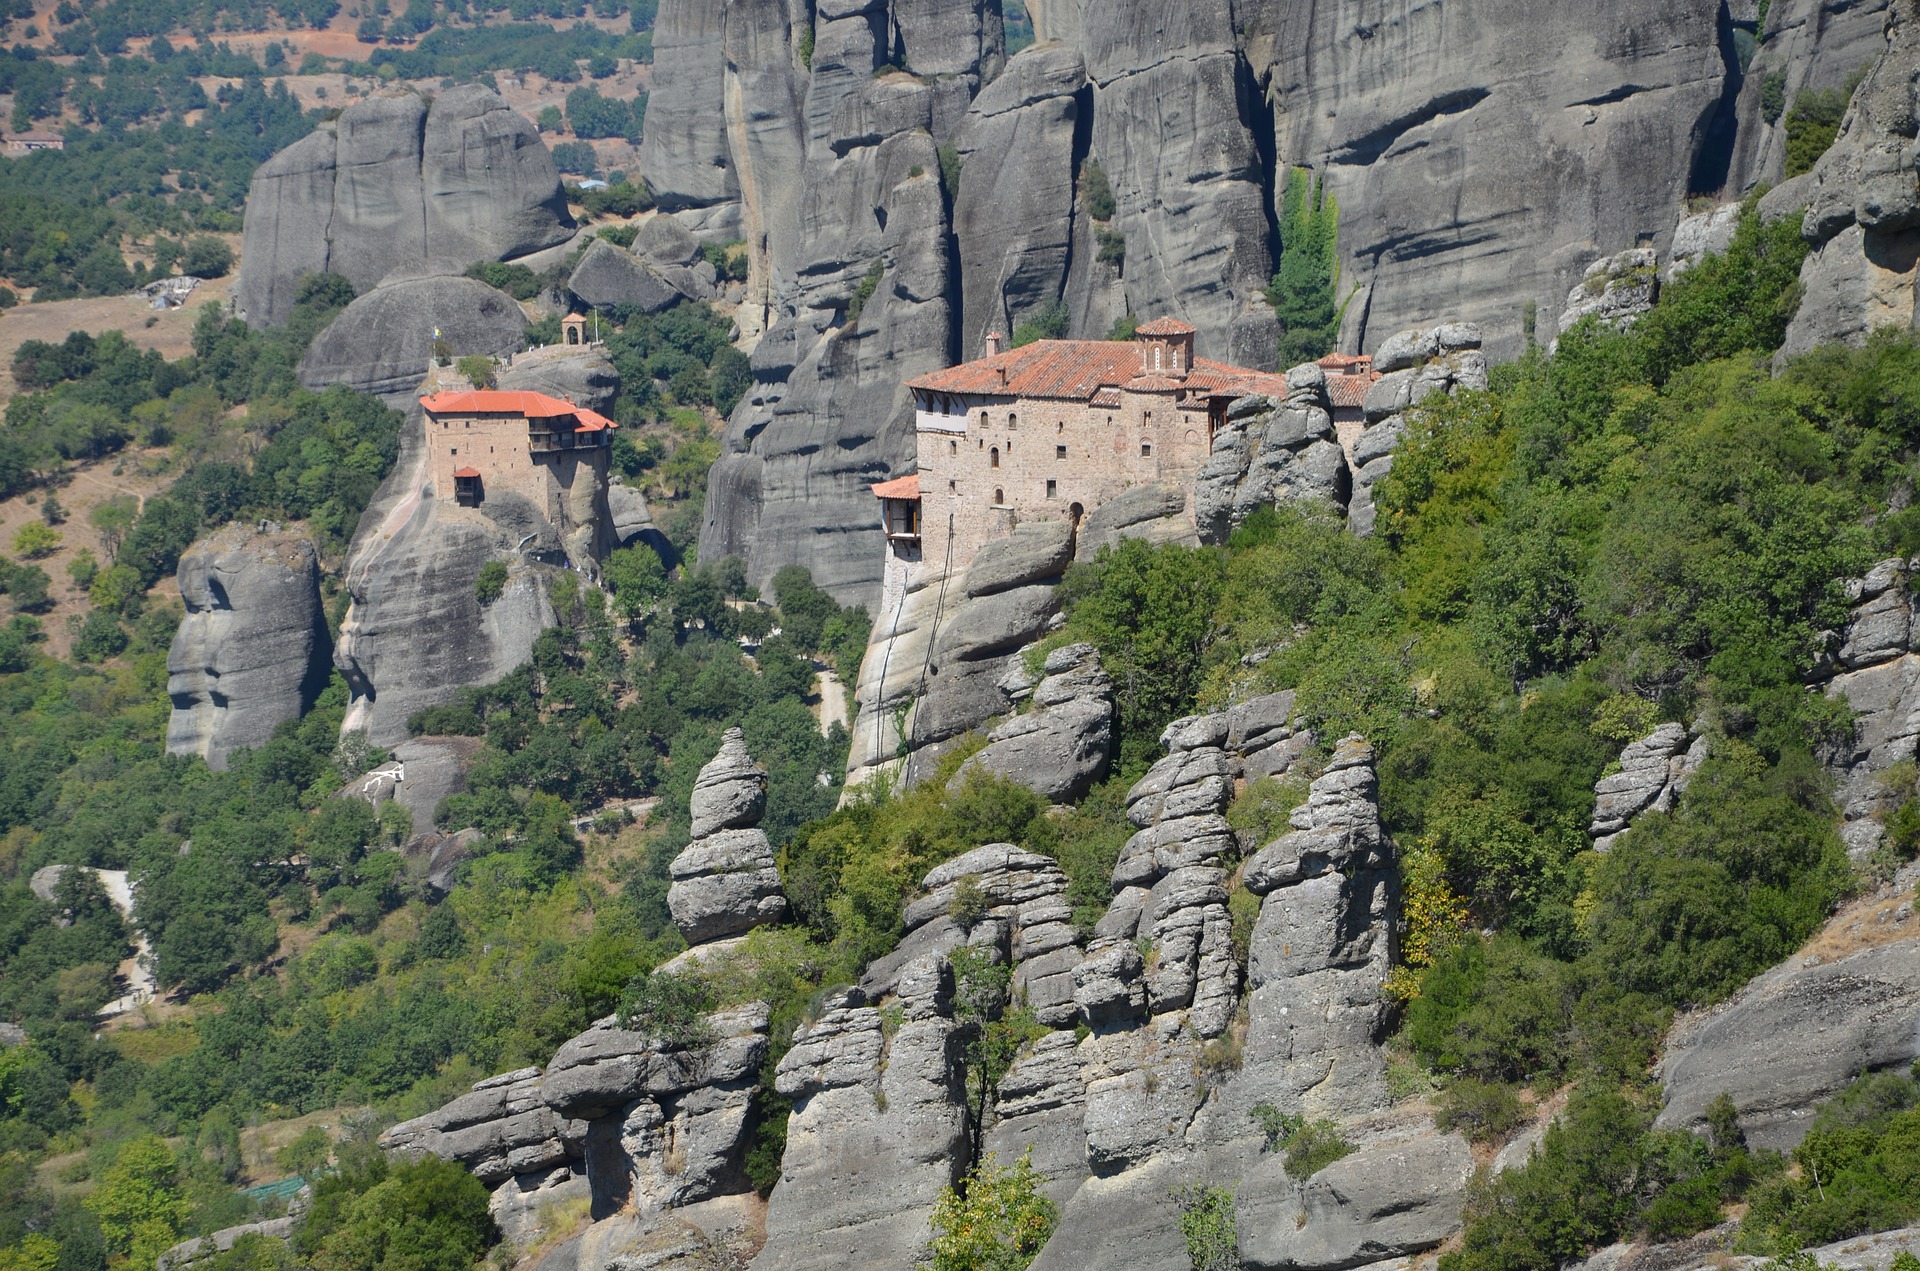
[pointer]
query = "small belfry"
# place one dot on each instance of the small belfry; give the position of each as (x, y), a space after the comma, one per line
(1052, 430)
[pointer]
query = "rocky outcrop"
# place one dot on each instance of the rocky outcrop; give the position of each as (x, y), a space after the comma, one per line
(1794, 1037)
(1872, 666)
(1413, 366)
(1807, 44)
(584, 377)
(1863, 213)
(1272, 452)
(1653, 773)
(607, 276)
(252, 651)
(383, 341)
(725, 883)
(1700, 235)
(1617, 289)
(412, 568)
(204, 1248)
(878, 1130)
(1407, 116)
(394, 186)
(1059, 749)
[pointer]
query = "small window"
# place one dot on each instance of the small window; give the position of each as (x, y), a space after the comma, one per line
(983, 419)
(1062, 427)
(1146, 450)
(453, 450)
(951, 487)
(993, 457)
(953, 447)
(1013, 421)
(1053, 489)
(999, 497)
(1059, 452)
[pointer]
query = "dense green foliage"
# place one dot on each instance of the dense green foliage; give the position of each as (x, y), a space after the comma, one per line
(995, 1220)
(1813, 123)
(1302, 292)
(1859, 1169)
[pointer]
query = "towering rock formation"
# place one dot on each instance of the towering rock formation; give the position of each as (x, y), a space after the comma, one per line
(1272, 452)
(1413, 366)
(725, 883)
(251, 652)
(1807, 44)
(392, 186)
(1654, 772)
(1863, 213)
(1874, 667)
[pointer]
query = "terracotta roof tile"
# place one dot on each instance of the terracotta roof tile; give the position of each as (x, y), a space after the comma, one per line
(1165, 326)
(1083, 370)
(1348, 390)
(907, 487)
(466, 472)
(1154, 384)
(493, 401)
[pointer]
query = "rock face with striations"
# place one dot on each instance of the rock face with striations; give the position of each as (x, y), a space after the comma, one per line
(251, 652)
(1617, 289)
(1874, 668)
(1413, 366)
(392, 186)
(1863, 205)
(1272, 452)
(725, 883)
(383, 341)
(1654, 772)
(1060, 749)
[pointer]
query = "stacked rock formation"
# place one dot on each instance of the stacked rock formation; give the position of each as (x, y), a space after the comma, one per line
(1413, 366)
(1615, 289)
(383, 342)
(726, 883)
(1272, 452)
(1654, 772)
(251, 652)
(392, 187)
(1874, 668)
(878, 1129)
(1059, 749)
(663, 268)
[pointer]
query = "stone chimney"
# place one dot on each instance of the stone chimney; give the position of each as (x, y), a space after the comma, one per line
(993, 343)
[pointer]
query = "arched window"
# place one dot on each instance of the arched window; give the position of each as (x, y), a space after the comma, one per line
(993, 457)
(1157, 350)
(1146, 450)
(1013, 421)
(953, 447)
(999, 497)
(983, 419)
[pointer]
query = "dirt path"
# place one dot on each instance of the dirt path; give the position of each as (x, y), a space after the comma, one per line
(138, 969)
(833, 702)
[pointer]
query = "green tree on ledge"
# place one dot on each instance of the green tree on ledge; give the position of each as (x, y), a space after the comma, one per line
(1302, 290)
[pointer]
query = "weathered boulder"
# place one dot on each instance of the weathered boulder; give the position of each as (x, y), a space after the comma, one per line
(500, 1128)
(725, 883)
(583, 376)
(1872, 668)
(1615, 289)
(393, 185)
(252, 651)
(1272, 452)
(1060, 749)
(1653, 773)
(607, 276)
(1700, 235)
(383, 341)
(1154, 513)
(203, 1248)
(1793, 1037)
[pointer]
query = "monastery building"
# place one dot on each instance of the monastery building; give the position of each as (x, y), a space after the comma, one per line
(485, 443)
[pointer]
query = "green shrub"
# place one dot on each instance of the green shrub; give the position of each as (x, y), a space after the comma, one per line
(1097, 191)
(1049, 322)
(1482, 1110)
(997, 1221)
(1208, 1224)
(1812, 125)
(491, 583)
(672, 1008)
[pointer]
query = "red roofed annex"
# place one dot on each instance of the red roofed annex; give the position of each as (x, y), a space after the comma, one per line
(1052, 430)
(485, 443)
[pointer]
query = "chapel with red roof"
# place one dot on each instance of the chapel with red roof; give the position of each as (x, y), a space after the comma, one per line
(484, 443)
(1052, 430)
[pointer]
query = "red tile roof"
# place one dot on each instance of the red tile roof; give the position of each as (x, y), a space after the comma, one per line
(907, 487)
(1165, 326)
(1080, 370)
(466, 472)
(493, 401)
(1341, 361)
(1154, 384)
(1348, 390)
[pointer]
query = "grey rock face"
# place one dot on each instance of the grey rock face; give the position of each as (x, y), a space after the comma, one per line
(1863, 213)
(1387, 1200)
(726, 883)
(1322, 945)
(1154, 513)
(583, 376)
(870, 1146)
(201, 1248)
(1793, 1037)
(1700, 235)
(1061, 749)
(1036, 551)
(392, 186)
(1874, 670)
(1617, 289)
(1272, 452)
(1406, 106)
(411, 569)
(1808, 44)
(252, 651)
(1414, 365)
(1654, 772)
(501, 1128)
(608, 276)
(382, 342)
